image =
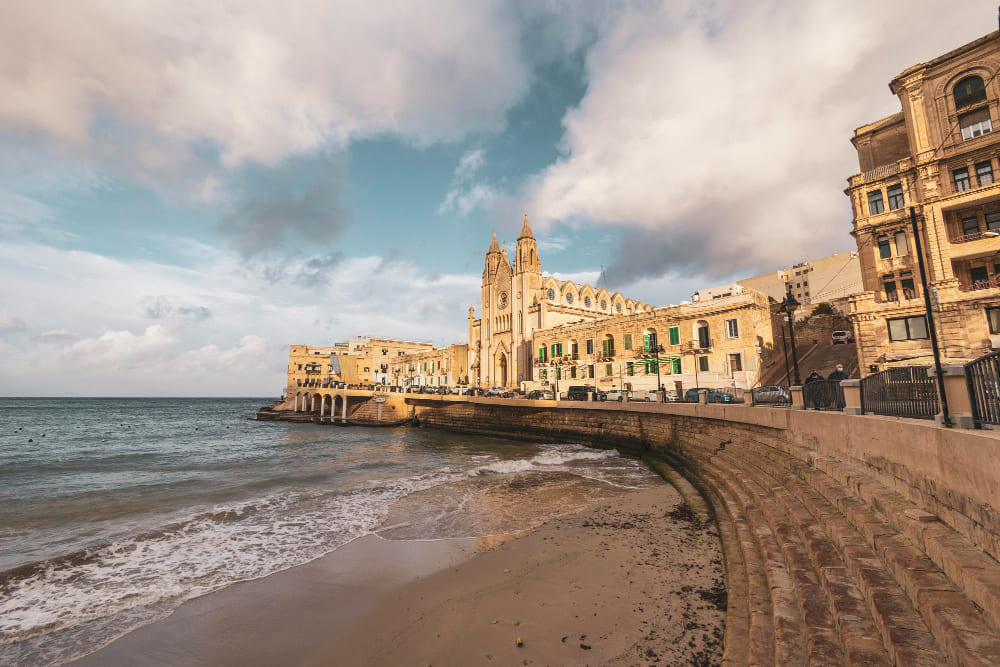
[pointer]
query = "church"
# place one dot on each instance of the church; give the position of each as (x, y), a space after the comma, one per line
(516, 301)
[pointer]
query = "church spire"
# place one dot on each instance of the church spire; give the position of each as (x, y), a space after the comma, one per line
(525, 229)
(494, 246)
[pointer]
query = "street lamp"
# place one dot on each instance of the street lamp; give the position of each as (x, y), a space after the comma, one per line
(788, 306)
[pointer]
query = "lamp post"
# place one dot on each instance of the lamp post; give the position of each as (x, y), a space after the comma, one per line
(788, 306)
(784, 349)
(657, 351)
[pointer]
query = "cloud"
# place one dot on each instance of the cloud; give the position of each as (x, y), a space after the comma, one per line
(174, 93)
(464, 195)
(709, 130)
(11, 325)
(99, 342)
(301, 202)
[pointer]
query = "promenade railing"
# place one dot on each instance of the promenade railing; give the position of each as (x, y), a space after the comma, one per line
(983, 377)
(823, 395)
(904, 391)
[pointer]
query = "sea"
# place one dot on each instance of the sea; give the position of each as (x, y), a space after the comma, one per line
(113, 512)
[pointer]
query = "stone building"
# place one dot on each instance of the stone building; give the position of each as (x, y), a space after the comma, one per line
(445, 366)
(314, 366)
(938, 155)
(829, 279)
(717, 343)
(517, 300)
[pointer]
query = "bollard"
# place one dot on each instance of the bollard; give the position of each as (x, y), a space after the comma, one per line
(703, 397)
(852, 397)
(959, 401)
(798, 400)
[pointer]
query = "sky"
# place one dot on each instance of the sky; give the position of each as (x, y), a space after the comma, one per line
(187, 188)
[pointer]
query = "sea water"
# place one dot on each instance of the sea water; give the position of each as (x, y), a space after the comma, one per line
(113, 512)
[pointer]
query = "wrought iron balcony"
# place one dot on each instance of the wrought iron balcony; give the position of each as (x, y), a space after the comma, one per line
(696, 345)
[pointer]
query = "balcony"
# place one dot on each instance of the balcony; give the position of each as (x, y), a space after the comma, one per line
(977, 244)
(696, 345)
(879, 172)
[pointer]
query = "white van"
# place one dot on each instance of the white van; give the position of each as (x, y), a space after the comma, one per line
(842, 337)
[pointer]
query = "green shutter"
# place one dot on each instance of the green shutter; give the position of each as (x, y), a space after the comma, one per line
(628, 341)
(675, 336)
(630, 369)
(645, 343)
(677, 365)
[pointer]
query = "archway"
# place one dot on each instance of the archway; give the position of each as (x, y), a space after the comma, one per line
(338, 406)
(502, 370)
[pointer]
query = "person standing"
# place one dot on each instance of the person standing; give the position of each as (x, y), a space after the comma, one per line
(838, 373)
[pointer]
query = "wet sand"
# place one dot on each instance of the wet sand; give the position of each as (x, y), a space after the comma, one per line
(628, 581)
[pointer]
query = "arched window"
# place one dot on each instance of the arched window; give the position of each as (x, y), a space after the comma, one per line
(969, 91)
(551, 294)
(569, 297)
(649, 342)
(587, 301)
(618, 307)
(608, 346)
(604, 305)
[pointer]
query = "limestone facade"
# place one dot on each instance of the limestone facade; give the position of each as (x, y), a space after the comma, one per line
(314, 366)
(715, 344)
(516, 300)
(445, 366)
(938, 155)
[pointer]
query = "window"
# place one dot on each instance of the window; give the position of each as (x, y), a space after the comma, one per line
(676, 363)
(628, 341)
(543, 374)
(648, 342)
(884, 250)
(702, 363)
(890, 290)
(732, 328)
(902, 248)
(604, 305)
(975, 124)
(970, 226)
(618, 307)
(630, 369)
(961, 177)
(968, 91)
(895, 193)
(875, 205)
(569, 297)
(984, 173)
(907, 328)
(574, 350)
(587, 301)
(300, 367)
(703, 337)
(590, 346)
(608, 346)
(993, 221)
(907, 286)
(993, 318)
(979, 275)
(674, 335)
(572, 371)
(384, 351)
(735, 363)
(551, 294)
(608, 370)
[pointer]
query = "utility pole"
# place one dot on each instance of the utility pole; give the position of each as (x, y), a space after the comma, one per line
(945, 417)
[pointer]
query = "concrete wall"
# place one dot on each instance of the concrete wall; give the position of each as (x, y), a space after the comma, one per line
(952, 473)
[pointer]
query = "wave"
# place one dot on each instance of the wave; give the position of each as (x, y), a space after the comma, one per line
(59, 609)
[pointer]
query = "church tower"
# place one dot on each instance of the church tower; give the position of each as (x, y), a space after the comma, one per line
(527, 292)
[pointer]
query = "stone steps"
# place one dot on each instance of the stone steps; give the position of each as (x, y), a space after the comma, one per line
(903, 587)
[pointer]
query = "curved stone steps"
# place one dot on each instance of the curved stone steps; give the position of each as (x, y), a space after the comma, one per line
(760, 632)
(838, 628)
(953, 585)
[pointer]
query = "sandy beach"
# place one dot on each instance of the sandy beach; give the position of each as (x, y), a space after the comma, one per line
(628, 581)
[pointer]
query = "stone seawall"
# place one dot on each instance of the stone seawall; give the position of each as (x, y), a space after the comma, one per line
(848, 539)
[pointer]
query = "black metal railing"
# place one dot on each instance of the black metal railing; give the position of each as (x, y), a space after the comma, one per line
(823, 395)
(772, 395)
(905, 391)
(983, 376)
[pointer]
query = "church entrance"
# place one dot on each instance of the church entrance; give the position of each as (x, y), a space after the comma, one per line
(502, 375)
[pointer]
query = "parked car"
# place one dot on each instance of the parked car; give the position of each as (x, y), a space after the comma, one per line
(691, 396)
(841, 337)
(653, 396)
(579, 392)
(496, 392)
(459, 390)
(772, 395)
(542, 395)
(618, 395)
(443, 390)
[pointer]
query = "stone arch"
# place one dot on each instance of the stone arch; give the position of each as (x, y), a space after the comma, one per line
(570, 294)
(602, 301)
(587, 298)
(338, 405)
(701, 333)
